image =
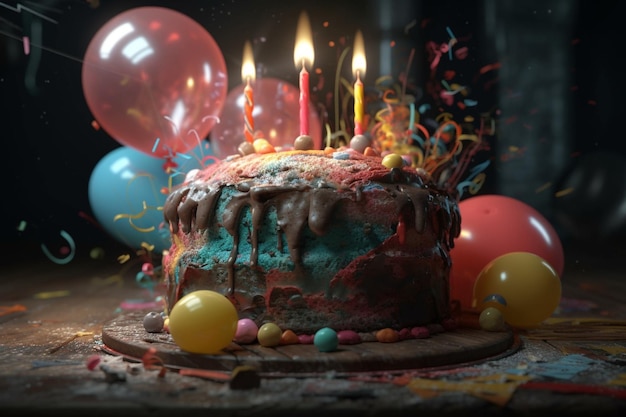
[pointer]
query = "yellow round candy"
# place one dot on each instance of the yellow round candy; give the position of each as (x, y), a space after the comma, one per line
(523, 286)
(393, 160)
(203, 321)
(491, 319)
(269, 335)
(259, 144)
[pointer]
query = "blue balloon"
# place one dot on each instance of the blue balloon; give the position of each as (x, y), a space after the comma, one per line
(125, 193)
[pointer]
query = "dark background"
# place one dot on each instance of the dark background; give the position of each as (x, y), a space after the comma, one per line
(558, 98)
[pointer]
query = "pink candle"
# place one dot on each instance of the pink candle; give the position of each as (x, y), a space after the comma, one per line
(304, 101)
(303, 54)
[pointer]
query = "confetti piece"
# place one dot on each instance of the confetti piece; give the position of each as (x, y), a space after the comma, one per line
(205, 374)
(564, 192)
(73, 337)
(489, 67)
(92, 362)
(111, 280)
(70, 255)
(543, 187)
(497, 388)
(139, 215)
(150, 361)
(123, 258)
(26, 43)
(565, 368)
(156, 144)
(51, 294)
(145, 281)
(15, 308)
(147, 246)
(450, 33)
(410, 25)
(572, 388)
(22, 226)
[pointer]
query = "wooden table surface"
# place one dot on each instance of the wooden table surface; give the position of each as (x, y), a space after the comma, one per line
(52, 318)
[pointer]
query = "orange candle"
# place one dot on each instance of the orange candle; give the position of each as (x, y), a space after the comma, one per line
(358, 68)
(303, 55)
(248, 74)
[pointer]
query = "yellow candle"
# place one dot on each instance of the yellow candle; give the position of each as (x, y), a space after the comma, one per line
(358, 68)
(358, 106)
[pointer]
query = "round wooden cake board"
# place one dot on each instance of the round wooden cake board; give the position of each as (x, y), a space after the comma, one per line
(126, 336)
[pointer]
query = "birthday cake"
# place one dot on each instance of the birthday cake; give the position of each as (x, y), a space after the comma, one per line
(308, 239)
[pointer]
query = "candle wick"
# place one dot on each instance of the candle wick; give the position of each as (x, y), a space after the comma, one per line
(303, 64)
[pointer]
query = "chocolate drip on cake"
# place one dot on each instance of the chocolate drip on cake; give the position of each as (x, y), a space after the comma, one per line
(296, 207)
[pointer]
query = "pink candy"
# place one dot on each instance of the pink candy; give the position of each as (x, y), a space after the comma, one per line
(246, 331)
(348, 337)
(420, 332)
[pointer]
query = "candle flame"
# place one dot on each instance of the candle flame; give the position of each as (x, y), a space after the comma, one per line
(359, 64)
(248, 71)
(303, 53)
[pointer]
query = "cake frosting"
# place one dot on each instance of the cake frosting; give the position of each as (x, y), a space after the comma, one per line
(308, 239)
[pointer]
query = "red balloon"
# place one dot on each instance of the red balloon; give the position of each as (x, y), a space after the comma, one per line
(494, 225)
(276, 113)
(155, 80)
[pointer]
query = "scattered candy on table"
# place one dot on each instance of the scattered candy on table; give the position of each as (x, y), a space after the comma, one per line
(246, 332)
(153, 322)
(491, 319)
(269, 335)
(326, 340)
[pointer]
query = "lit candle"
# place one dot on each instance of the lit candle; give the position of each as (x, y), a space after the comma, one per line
(304, 55)
(358, 69)
(248, 75)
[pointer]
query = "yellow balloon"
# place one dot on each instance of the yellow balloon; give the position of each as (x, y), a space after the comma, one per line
(203, 321)
(522, 285)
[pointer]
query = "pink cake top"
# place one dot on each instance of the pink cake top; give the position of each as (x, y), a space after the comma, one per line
(344, 168)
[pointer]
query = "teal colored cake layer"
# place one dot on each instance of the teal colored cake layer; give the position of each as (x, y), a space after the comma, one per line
(308, 239)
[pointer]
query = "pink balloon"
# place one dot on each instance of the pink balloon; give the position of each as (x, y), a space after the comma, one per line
(153, 78)
(276, 114)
